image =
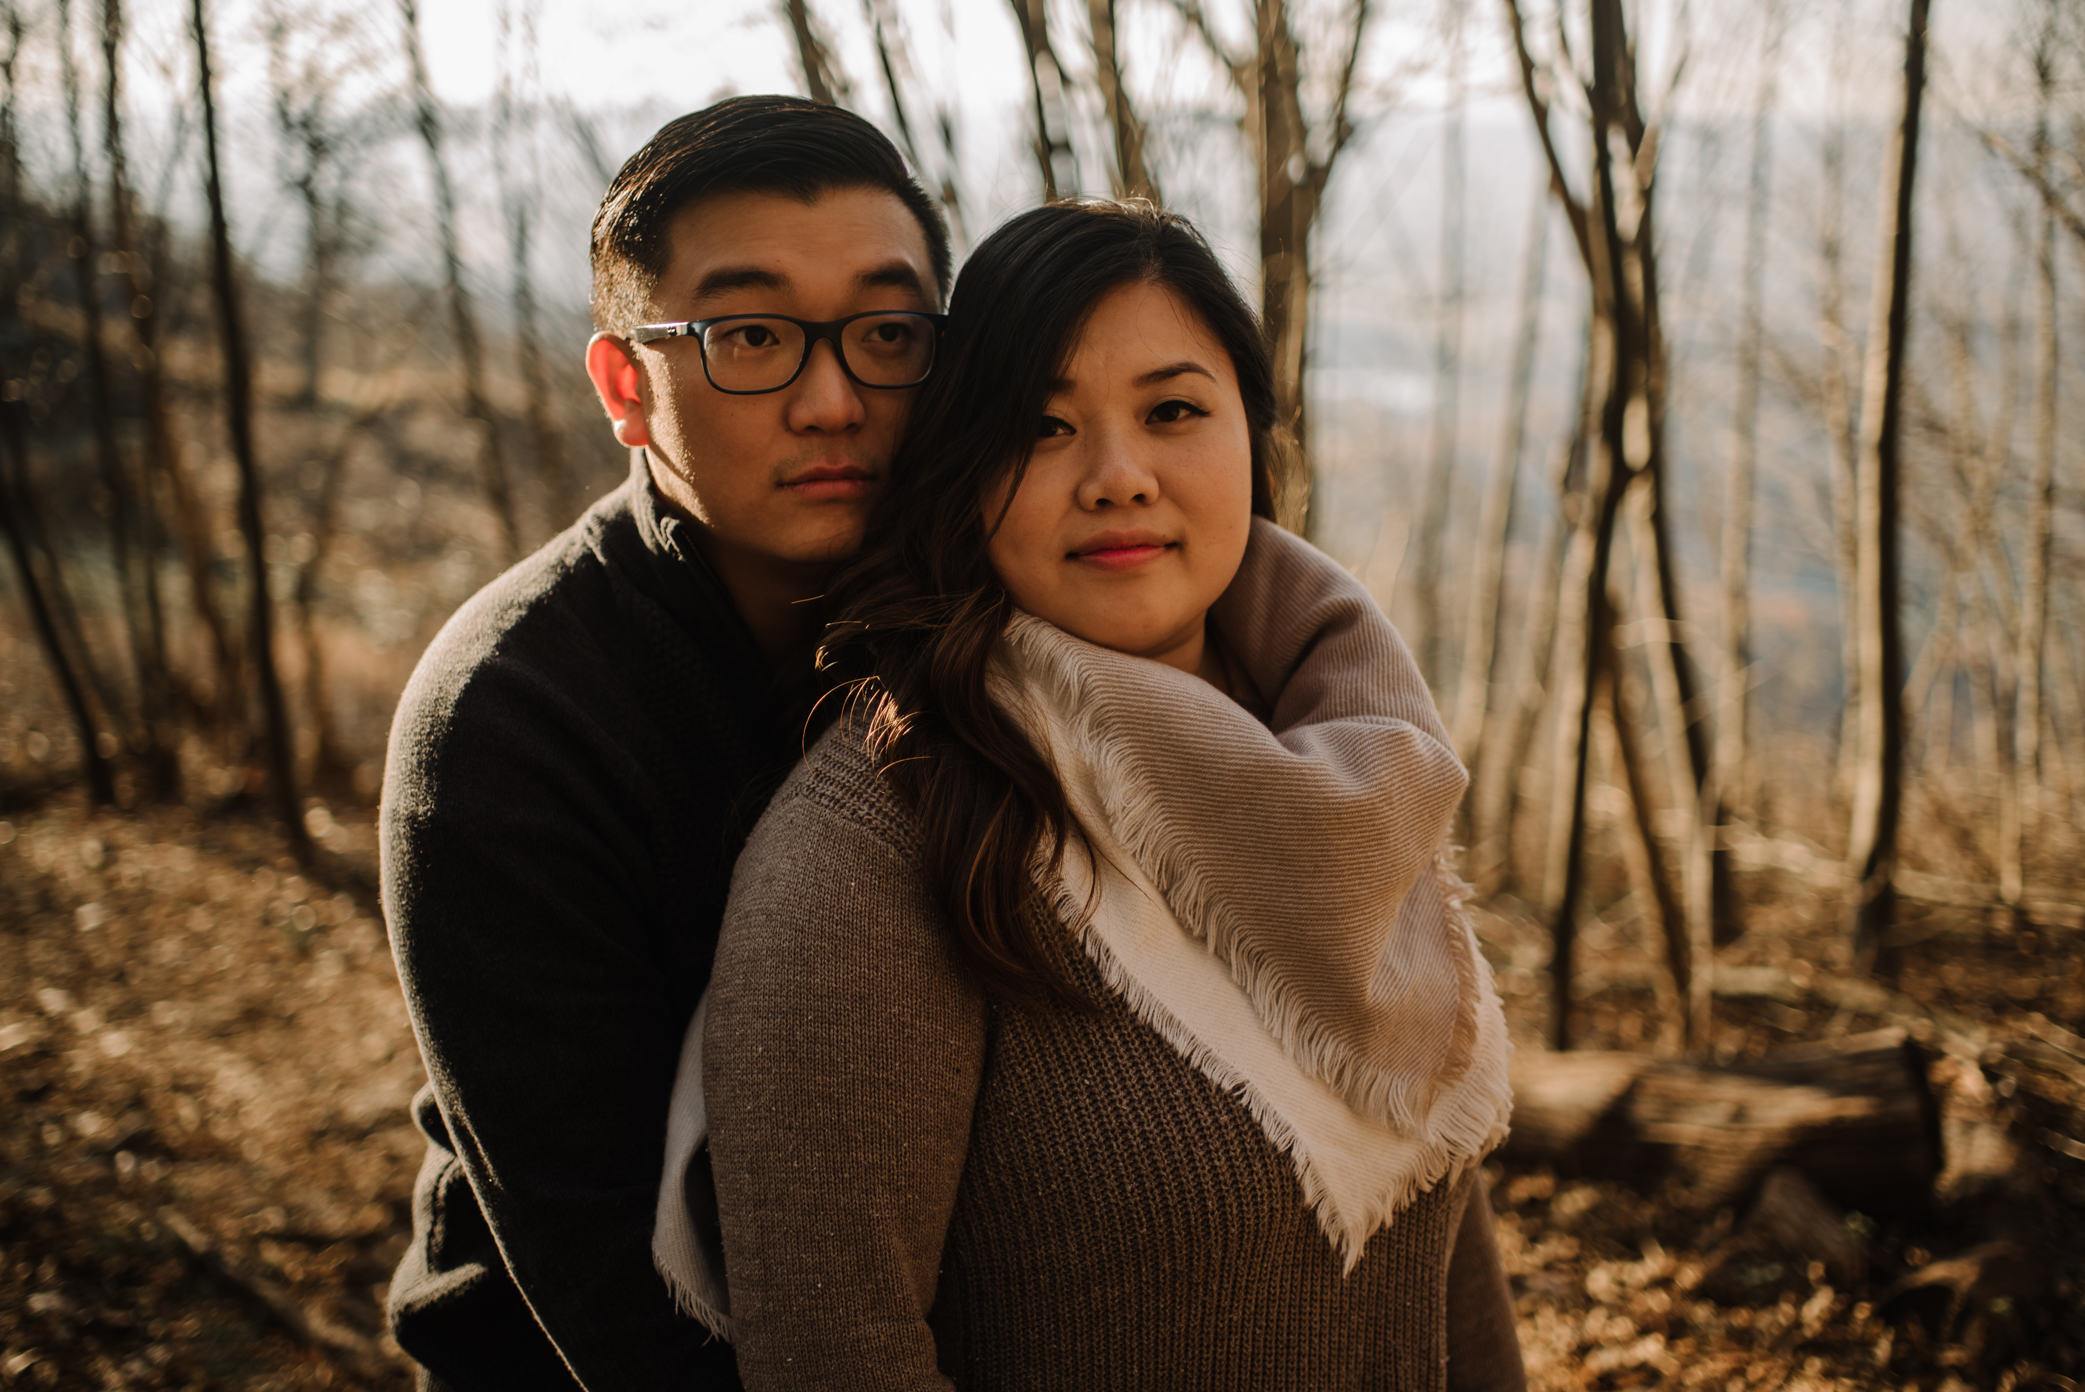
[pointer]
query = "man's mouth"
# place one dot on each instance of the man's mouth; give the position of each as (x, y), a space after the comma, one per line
(822, 482)
(1118, 551)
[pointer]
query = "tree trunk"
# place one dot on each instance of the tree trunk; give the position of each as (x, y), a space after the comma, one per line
(101, 784)
(238, 392)
(1481, 616)
(1872, 840)
(823, 80)
(1854, 1117)
(1053, 153)
(1583, 614)
(1133, 177)
(162, 457)
(1839, 423)
(544, 436)
(2034, 597)
(1654, 879)
(1430, 632)
(1732, 762)
(152, 735)
(463, 321)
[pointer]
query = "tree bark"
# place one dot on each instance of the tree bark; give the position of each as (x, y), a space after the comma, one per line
(463, 320)
(1481, 616)
(1836, 379)
(101, 783)
(1854, 1117)
(1732, 761)
(2033, 627)
(1054, 159)
(1430, 632)
(823, 80)
(1133, 176)
(1291, 183)
(238, 391)
(1872, 840)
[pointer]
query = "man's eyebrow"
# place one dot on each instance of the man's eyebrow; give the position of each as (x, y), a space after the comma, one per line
(892, 275)
(727, 278)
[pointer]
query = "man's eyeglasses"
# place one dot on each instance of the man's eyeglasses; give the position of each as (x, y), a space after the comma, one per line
(747, 354)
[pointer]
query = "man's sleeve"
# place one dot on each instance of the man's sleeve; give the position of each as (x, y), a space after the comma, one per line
(518, 872)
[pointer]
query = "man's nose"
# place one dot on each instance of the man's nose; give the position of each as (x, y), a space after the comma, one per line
(825, 399)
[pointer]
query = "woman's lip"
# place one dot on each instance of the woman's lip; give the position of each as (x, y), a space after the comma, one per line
(1116, 558)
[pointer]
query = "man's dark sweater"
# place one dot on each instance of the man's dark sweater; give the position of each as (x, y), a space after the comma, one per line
(573, 769)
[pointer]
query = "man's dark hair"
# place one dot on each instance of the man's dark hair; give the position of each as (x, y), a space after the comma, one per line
(741, 145)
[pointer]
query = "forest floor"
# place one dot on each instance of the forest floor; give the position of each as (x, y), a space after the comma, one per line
(206, 1162)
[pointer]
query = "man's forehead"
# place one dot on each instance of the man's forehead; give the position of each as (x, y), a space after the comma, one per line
(856, 238)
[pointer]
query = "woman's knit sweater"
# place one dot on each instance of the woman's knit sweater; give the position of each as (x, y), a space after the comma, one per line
(920, 1187)
(1250, 1164)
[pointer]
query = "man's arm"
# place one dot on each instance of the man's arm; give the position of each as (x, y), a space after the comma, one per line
(524, 895)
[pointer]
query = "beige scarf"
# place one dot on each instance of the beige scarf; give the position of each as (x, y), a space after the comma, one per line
(1274, 899)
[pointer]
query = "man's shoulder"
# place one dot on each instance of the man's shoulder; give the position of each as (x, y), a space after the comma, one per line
(546, 624)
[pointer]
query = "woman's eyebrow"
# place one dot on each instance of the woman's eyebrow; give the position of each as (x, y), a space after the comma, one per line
(1172, 370)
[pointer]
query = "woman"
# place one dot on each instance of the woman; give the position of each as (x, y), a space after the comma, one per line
(1094, 1008)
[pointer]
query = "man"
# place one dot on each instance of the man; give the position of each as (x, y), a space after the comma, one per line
(584, 747)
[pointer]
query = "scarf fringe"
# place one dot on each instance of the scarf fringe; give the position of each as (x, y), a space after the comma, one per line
(1140, 823)
(1469, 1123)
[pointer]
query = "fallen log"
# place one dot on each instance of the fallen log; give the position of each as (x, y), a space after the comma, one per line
(1854, 1117)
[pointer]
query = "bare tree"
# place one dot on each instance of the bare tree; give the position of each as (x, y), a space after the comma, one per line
(1872, 841)
(823, 79)
(1133, 176)
(1481, 614)
(517, 202)
(463, 319)
(1623, 411)
(136, 584)
(1047, 84)
(2032, 634)
(1732, 762)
(893, 58)
(161, 444)
(238, 398)
(101, 782)
(1293, 159)
(1430, 635)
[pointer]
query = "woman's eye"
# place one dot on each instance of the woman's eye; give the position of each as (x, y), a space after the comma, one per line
(1051, 425)
(1168, 412)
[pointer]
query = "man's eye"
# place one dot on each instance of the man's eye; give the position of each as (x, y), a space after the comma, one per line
(749, 336)
(1168, 412)
(1052, 425)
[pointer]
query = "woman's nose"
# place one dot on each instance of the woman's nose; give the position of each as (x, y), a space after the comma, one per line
(1117, 476)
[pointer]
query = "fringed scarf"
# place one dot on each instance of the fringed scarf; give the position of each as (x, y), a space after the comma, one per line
(1275, 899)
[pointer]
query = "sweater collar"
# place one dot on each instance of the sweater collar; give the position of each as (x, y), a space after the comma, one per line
(685, 581)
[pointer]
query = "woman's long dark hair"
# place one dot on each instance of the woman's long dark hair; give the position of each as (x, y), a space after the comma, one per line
(920, 612)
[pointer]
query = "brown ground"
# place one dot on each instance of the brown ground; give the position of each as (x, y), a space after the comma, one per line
(205, 1158)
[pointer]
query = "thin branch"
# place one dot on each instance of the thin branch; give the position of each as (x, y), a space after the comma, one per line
(1559, 184)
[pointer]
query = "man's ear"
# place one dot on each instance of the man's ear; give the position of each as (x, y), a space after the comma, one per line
(619, 382)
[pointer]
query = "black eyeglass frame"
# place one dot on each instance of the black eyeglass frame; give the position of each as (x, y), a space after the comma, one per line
(827, 330)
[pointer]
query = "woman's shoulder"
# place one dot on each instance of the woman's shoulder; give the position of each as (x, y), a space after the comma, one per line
(837, 790)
